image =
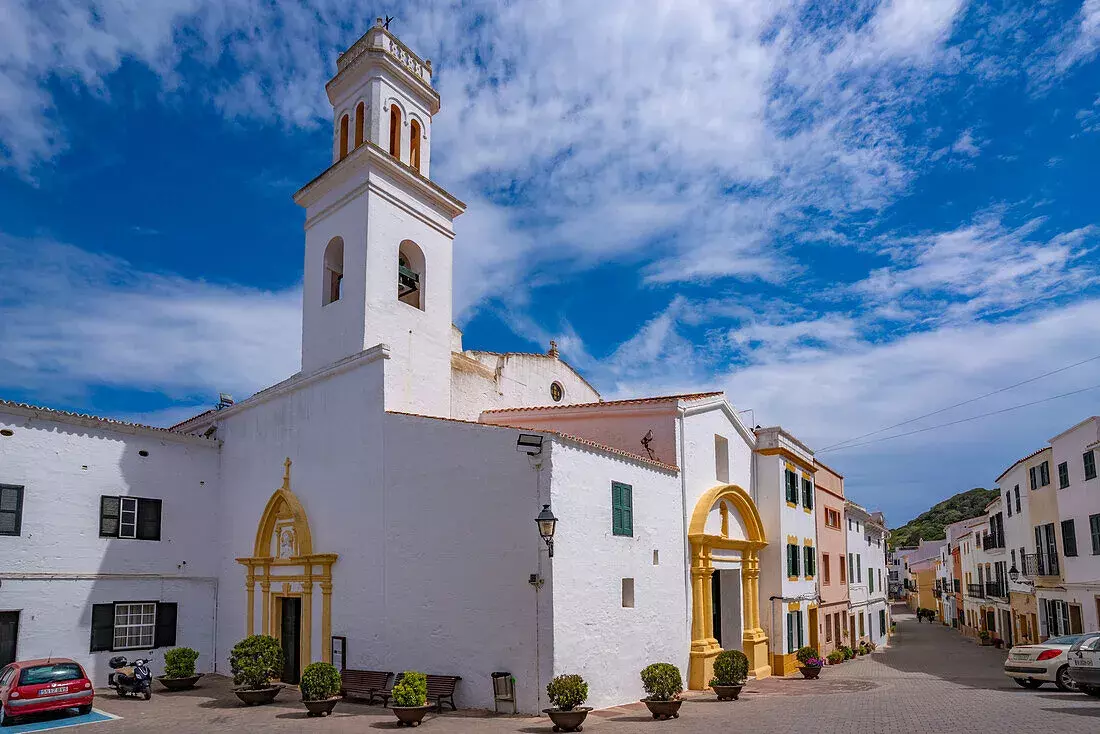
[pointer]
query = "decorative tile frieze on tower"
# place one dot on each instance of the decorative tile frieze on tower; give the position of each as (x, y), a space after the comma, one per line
(378, 256)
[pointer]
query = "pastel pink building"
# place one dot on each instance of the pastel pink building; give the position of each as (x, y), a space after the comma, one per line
(832, 583)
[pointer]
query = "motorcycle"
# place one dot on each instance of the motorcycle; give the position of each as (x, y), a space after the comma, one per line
(130, 679)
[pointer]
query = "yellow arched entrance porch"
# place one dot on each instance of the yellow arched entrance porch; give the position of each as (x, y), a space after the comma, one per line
(718, 502)
(285, 566)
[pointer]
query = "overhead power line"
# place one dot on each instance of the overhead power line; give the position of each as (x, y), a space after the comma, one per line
(963, 420)
(957, 405)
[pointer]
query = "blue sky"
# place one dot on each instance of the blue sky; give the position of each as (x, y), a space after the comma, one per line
(845, 215)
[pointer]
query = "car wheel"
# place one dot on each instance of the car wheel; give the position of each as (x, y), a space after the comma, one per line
(1028, 683)
(85, 710)
(6, 720)
(1064, 681)
(1089, 690)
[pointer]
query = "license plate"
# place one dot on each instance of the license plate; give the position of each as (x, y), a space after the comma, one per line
(51, 691)
(1019, 656)
(1082, 662)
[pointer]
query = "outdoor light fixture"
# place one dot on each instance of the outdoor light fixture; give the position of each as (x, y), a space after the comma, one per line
(547, 523)
(1013, 573)
(530, 444)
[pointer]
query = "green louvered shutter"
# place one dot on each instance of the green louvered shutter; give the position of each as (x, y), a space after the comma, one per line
(622, 509)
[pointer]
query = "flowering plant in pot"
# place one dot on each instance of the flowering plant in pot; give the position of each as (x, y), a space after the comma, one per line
(731, 670)
(320, 684)
(179, 669)
(811, 661)
(985, 637)
(410, 698)
(663, 684)
(836, 657)
(254, 661)
(567, 693)
(849, 653)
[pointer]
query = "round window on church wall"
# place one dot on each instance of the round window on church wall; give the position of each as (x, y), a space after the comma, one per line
(557, 392)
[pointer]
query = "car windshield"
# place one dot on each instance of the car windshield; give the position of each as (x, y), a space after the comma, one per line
(40, 674)
(1067, 640)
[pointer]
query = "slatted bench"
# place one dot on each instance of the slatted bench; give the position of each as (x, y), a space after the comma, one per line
(366, 684)
(441, 690)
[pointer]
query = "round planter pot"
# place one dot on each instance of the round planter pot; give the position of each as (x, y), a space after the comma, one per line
(810, 672)
(257, 696)
(570, 720)
(321, 707)
(410, 715)
(179, 684)
(727, 693)
(663, 709)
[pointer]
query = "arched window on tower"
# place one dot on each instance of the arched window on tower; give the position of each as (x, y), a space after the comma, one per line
(343, 137)
(333, 285)
(414, 145)
(360, 113)
(410, 274)
(395, 131)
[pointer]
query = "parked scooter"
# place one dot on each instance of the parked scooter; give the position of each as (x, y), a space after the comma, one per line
(130, 679)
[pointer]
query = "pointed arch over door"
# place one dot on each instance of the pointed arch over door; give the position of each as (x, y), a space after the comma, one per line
(285, 566)
(723, 502)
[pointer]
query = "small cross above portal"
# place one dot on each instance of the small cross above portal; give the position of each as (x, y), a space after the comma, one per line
(286, 474)
(384, 23)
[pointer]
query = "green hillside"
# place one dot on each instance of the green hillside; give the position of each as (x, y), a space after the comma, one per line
(930, 525)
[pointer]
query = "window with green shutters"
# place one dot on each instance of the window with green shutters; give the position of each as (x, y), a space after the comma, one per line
(809, 557)
(1090, 464)
(851, 568)
(795, 635)
(1094, 528)
(807, 494)
(792, 560)
(870, 582)
(791, 480)
(1069, 538)
(1063, 475)
(622, 509)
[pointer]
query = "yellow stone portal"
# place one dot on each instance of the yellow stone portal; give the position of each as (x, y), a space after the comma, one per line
(704, 646)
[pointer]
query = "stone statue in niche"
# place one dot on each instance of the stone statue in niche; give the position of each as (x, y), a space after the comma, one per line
(287, 543)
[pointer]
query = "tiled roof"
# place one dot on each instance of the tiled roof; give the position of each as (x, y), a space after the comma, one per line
(607, 403)
(68, 416)
(1018, 461)
(192, 418)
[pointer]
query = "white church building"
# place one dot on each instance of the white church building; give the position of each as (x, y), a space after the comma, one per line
(380, 503)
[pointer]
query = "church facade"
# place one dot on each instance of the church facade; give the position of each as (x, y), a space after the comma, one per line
(375, 509)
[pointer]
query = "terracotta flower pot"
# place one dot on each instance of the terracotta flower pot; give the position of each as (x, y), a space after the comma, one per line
(727, 693)
(410, 715)
(810, 672)
(257, 696)
(663, 710)
(179, 684)
(321, 706)
(570, 720)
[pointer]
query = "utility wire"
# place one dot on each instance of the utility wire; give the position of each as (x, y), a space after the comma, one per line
(964, 420)
(965, 402)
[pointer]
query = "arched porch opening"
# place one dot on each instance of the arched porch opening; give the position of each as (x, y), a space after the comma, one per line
(725, 531)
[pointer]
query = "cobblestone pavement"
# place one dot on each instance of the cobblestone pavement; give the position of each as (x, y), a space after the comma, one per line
(928, 680)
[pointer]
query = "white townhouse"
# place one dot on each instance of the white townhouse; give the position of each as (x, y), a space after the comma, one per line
(867, 607)
(944, 591)
(1016, 510)
(377, 508)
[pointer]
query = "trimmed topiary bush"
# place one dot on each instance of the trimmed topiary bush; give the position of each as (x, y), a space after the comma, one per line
(662, 681)
(731, 668)
(806, 653)
(836, 656)
(320, 681)
(567, 691)
(411, 690)
(179, 662)
(255, 660)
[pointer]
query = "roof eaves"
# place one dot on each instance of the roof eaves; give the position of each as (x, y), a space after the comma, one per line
(608, 403)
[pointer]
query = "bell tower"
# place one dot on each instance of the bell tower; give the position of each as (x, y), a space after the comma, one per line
(379, 232)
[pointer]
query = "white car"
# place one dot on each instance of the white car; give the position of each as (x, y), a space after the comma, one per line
(1047, 662)
(1084, 664)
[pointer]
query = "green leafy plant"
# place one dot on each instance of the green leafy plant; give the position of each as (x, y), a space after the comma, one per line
(984, 635)
(836, 656)
(320, 681)
(806, 652)
(255, 660)
(179, 662)
(567, 691)
(411, 690)
(662, 681)
(731, 668)
(849, 653)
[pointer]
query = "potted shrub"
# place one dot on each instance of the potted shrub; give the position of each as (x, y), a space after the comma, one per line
(663, 684)
(731, 670)
(998, 642)
(811, 661)
(179, 669)
(849, 653)
(255, 660)
(836, 657)
(566, 694)
(320, 686)
(410, 698)
(984, 637)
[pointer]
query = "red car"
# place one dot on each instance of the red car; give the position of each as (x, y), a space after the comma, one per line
(35, 686)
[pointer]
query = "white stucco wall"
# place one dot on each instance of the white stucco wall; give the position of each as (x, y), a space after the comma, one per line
(58, 566)
(490, 381)
(594, 635)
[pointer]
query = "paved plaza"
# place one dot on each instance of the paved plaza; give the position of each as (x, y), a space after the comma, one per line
(929, 680)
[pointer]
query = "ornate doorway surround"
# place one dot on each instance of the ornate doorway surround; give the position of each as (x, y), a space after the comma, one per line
(704, 646)
(285, 566)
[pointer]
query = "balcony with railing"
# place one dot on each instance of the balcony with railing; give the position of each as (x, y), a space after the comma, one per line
(1041, 564)
(993, 541)
(976, 590)
(996, 589)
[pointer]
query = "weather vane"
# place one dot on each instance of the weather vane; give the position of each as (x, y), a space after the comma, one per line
(386, 25)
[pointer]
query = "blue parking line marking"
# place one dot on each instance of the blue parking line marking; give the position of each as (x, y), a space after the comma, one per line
(61, 720)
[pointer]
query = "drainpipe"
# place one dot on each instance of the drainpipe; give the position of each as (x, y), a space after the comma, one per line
(683, 517)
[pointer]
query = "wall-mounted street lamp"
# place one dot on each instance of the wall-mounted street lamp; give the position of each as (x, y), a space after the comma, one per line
(529, 443)
(547, 523)
(1013, 574)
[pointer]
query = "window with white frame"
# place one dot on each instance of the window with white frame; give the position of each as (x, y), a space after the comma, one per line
(135, 625)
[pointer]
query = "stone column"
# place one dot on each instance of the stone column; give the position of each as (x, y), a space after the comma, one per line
(307, 619)
(326, 617)
(250, 594)
(265, 611)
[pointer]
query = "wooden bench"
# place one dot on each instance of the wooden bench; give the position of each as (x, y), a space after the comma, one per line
(441, 690)
(366, 684)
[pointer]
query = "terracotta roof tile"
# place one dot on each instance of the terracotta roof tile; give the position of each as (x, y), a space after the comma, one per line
(1018, 461)
(607, 403)
(70, 416)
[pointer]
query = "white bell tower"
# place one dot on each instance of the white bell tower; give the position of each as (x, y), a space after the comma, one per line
(378, 231)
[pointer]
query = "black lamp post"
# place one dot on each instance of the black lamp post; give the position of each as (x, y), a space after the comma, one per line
(547, 523)
(1013, 573)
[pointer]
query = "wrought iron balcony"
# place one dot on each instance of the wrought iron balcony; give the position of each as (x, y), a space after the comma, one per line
(992, 541)
(997, 589)
(976, 590)
(1041, 564)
